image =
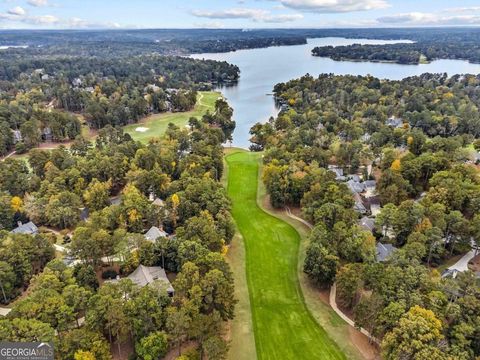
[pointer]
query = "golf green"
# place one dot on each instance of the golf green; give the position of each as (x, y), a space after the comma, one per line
(154, 126)
(283, 326)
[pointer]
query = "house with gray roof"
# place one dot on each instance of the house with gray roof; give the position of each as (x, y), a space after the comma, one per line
(17, 136)
(367, 224)
(155, 233)
(29, 228)
(339, 176)
(77, 82)
(158, 202)
(355, 187)
(375, 207)
(370, 188)
(394, 122)
(359, 206)
(384, 251)
(151, 276)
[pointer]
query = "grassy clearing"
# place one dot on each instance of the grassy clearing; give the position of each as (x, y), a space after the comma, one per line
(157, 124)
(283, 326)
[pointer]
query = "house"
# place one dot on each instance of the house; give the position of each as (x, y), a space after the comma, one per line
(355, 187)
(77, 82)
(375, 207)
(116, 200)
(355, 177)
(420, 197)
(84, 214)
(475, 157)
(47, 134)
(359, 206)
(384, 251)
(17, 136)
(158, 202)
(367, 224)
(29, 228)
(155, 233)
(151, 276)
(450, 273)
(370, 188)
(366, 137)
(151, 87)
(394, 122)
(338, 172)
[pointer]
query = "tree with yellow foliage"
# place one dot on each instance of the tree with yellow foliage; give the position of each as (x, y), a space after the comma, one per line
(135, 208)
(396, 165)
(84, 355)
(16, 203)
(418, 331)
(174, 213)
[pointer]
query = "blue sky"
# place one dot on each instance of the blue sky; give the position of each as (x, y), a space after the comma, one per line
(84, 14)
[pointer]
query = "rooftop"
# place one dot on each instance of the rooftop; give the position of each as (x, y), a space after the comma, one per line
(28, 228)
(367, 223)
(384, 251)
(146, 275)
(154, 233)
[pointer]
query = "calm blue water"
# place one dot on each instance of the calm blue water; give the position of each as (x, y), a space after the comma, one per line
(261, 69)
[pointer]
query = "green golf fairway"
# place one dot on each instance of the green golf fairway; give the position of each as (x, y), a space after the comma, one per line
(157, 124)
(283, 326)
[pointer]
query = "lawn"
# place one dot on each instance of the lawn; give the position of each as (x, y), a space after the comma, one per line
(157, 124)
(283, 326)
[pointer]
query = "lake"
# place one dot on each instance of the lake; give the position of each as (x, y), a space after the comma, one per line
(261, 69)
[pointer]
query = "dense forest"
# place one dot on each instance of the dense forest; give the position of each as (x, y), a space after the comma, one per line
(187, 41)
(39, 96)
(65, 302)
(427, 46)
(378, 164)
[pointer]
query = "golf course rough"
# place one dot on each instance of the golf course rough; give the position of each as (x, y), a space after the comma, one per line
(283, 326)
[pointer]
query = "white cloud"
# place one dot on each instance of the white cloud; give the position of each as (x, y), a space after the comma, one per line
(236, 13)
(51, 21)
(428, 19)
(210, 25)
(78, 23)
(257, 15)
(38, 3)
(17, 11)
(42, 20)
(334, 6)
(283, 18)
(462, 9)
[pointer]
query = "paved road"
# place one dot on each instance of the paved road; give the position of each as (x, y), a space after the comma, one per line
(8, 155)
(289, 214)
(462, 264)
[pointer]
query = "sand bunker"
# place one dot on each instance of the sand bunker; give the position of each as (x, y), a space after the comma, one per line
(141, 129)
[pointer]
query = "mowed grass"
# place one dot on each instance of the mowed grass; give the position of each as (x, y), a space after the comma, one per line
(157, 124)
(283, 326)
